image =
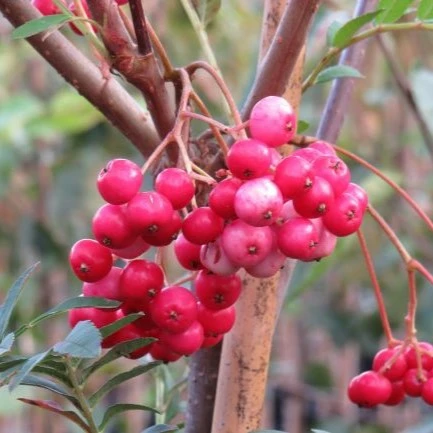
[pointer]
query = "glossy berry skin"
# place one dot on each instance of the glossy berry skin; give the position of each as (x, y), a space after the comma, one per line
(108, 287)
(148, 211)
(216, 321)
(166, 233)
(141, 280)
(176, 185)
(119, 181)
(293, 175)
(412, 383)
(323, 147)
(136, 249)
(246, 245)
(426, 358)
(89, 260)
(46, 7)
(273, 121)
(202, 226)
(258, 202)
(216, 292)
(211, 340)
(327, 241)
(308, 153)
(161, 352)
(248, 159)
(111, 228)
(397, 394)
(369, 389)
(187, 253)
(427, 392)
(334, 170)
(222, 197)
(99, 317)
(174, 309)
(186, 342)
(214, 258)
(396, 371)
(359, 193)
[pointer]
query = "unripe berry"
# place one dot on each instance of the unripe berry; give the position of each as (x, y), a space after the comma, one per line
(176, 185)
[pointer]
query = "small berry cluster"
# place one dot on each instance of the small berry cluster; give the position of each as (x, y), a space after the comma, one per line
(126, 227)
(397, 372)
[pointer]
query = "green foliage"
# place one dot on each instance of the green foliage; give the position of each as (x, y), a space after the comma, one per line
(26, 368)
(117, 409)
(425, 10)
(39, 25)
(302, 126)
(337, 71)
(6, 343)
(393, 10)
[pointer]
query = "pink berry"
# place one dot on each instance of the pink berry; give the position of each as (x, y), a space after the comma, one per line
(413, 383)
(308, 153)
(186, 342)
(397, 394)
(167, 233)
(136, 249)
(427, 392)
(222, 197)
(202, 226)
(248, 159)
(273, 121)
(246, 245)
(334, 170)
(216, 321)
(214, 258)
(46, 7)
(90, 260)
(119, 181)
(108, 287)
(258, 202)
(369, 389)
(359, 193)
(176, 185)
(327, 241)
(426, 356)
(322, 147)
(187, 253)
(270, 265)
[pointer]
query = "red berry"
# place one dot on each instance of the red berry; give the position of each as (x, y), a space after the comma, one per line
(334, 170)
(72, 8)
(397, 394)
(202, 226)
(186, 342)
(222, 197)
(327, 241)
(248, 159)
(107, 287)
(119, 181)
(187, 253)
(90, 260)
(427, 391)
(426, 356)
(46, 7)
(359, 193)
(174, 309)
(216, 292)
(99, 317)
(273, 121)
(211, 340)
(395, 371)
(136, 249)
(167, 233)
(412, 382)
(308, 153)
(369, 389)
(160, 352)
(323, 147)
(176, 185)
(141, 280)
(216, 321)
(214, 258)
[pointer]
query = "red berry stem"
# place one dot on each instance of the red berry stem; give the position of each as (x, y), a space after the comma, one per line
(411, 313)
(376, 287)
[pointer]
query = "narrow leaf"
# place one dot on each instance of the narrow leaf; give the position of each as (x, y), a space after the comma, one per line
(119, 350)
(161, 428)
(425, 10)
(55, 407)
(119, 408)
(345, 32)
(119, 324)
(332, 30)
(6, 343)
(38, 25)
(394, 10)
(26, 368)
(337, 71)
(120, 378)
(84, 341)
(12, 298)
(302, 126)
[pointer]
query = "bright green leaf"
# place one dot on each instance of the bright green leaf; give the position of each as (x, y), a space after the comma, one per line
(11, 299)
(345, 32)
(84, 341)
(26, 368)
(332, 30)
(161, 428)
(425, 10)
(393, 10)
(119, 324)
(302, 126)
(6, 343)
(38, 25)
(337, 71)
(119, 408)
(120, 378)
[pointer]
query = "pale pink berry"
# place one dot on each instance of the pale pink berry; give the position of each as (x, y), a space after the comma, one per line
(327, 241)
(323, 147)
(359, 193)
(308, 153)
(214, 258)
(269, 266)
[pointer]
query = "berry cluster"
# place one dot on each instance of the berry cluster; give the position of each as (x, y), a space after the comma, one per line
(397, 372)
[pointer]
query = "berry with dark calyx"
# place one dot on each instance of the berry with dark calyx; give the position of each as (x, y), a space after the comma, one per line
(90, 260)
(426, 356)
(111, 228)
(269, 266)
(216, 321)
(46, 7)
(273, 121)
(174, 309)
(323, 147)
(334, 170)
(136, 249)
(176, 185)
(216, 292)
(397, 394)
(308, 153)
(293, 175)
(148, 211)
(246, 245)
(202, 226)
(187, 253)
(369, 389)
(258, 202)
(108, 287)
(186, 342)
(119, 181)
(298, 238)
(161, 352)
(394, 372)
(248, 159)
(167, 233)
(222, 197)
(211, 340)
(427, 391)
(214, 258)
(327, 241)
(359, 193)
(413, 382)
(316, 200)
(141, 280)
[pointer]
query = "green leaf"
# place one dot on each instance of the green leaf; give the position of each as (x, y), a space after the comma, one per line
(84, 341)
(393, 10)
(55, 407)
(161, 428)
(12, 298)
(78, 302)
(26, 368)
(6, 343)
(337, 71)
(332, 30)
(425, 10)
(302, 126)
(345, 32)
(119, 324)
(119, 408)
(118, 351)
(207, 10)
(38, 25)
(120, 378)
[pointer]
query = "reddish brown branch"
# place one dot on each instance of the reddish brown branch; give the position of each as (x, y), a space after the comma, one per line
(140, 26)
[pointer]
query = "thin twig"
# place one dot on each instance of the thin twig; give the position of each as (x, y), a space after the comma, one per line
(140, 26)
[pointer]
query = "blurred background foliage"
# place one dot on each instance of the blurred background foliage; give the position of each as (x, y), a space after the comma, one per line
(53, 144)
